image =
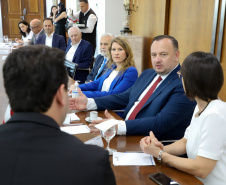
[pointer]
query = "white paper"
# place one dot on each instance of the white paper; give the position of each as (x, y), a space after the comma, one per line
(74, 117)
(4, 52)
(104, 126)
(76, 129)
(132, 159)
(67, 120)
(95, 141)
(4, 58)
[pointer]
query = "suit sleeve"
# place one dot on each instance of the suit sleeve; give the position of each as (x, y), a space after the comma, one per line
(127, 80)
(91, 75)
(62, 44)
(113, 102)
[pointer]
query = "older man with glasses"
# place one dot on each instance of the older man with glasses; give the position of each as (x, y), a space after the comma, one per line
(36, 27)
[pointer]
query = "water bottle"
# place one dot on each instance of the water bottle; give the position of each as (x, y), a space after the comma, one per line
(75, 90)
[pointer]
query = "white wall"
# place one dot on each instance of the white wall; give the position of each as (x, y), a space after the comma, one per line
(114, 16)
(48, 7)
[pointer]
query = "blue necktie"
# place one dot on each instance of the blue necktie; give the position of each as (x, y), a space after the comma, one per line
(101, 68)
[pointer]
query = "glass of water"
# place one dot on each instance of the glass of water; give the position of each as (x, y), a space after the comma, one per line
(108, 135)
(5, 38)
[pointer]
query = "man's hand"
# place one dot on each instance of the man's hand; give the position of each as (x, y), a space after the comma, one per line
(151, 145)
(95, 122)
(78, 103)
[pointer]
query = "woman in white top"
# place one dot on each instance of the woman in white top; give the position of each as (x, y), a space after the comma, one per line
(25, 31)
(205, 139)
(121, 73)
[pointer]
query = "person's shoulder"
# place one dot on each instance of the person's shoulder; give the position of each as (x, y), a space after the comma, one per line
(85, 42)
(58, 36)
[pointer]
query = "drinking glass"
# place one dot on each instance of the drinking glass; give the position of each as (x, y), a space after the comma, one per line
(108, 135)
(10, 42)
(5, 38)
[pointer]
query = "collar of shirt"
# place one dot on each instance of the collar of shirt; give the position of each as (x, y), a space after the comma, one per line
(75, 45)
(51, 35)
(86, 12)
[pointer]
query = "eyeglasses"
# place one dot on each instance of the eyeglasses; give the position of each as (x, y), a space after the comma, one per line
(33, 27)
(179, 75)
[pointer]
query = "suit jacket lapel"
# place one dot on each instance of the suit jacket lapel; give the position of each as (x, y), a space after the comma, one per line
(143, 87)
(54, 40)
(169, 79)
(77, 50)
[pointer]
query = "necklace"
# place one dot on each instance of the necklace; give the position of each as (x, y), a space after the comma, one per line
(199, 113)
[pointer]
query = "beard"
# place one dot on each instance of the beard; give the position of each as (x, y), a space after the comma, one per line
(103, 52)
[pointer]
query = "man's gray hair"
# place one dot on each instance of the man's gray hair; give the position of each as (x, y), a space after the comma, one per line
(73, 28)
(107, 34)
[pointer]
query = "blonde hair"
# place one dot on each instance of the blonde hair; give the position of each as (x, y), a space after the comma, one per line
(129, 61)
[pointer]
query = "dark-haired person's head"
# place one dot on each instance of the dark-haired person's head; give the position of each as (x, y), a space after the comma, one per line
(35, 79)
(24, 28)
(84, 5)
(61, 8)
(164, 54)
(53, 8)
(202, 76)
(48, 26)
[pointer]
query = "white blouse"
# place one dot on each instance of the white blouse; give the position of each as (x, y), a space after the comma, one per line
(107, 82)
(28, 36)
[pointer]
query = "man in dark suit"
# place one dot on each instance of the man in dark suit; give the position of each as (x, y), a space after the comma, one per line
(156, 102)
(33, 149)
(36, 27)
(79, 51)
(51, 39)
(101, 61)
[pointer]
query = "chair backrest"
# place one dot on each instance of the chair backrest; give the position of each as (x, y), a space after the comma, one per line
(71, 68)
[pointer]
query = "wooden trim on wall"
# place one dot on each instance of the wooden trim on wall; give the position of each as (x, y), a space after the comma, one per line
(167, 14)
(221, 29)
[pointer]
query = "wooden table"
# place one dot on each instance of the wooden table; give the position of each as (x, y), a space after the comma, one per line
(136, 175)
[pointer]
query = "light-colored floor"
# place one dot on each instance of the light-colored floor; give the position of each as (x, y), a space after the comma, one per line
(3, 96)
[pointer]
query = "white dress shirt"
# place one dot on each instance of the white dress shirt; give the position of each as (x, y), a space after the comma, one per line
(92, 19)
(49, 40)
(71, 52)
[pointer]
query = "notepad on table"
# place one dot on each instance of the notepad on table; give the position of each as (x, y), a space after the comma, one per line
(132, 159)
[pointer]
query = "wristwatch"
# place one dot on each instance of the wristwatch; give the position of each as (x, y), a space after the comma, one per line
(160, 156)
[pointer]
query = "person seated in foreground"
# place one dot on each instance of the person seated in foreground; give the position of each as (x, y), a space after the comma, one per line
(79, 51)
(166, 111)
(120, 76)
(50, 38)
(204, 140)
(33, 148)
(101, 61)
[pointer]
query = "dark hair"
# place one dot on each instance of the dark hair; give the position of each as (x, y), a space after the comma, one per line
(62, 8)
(202, 75)
(32, 76)
(28, 29)
(51, 13)
(174, 41)
(85, 1)
(48, 19)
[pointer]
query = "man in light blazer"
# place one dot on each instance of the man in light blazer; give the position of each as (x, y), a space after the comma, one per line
(33, 149)
(100, 64)
(50, 38)
(79, 51)
(36, 27)
(166, 110)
